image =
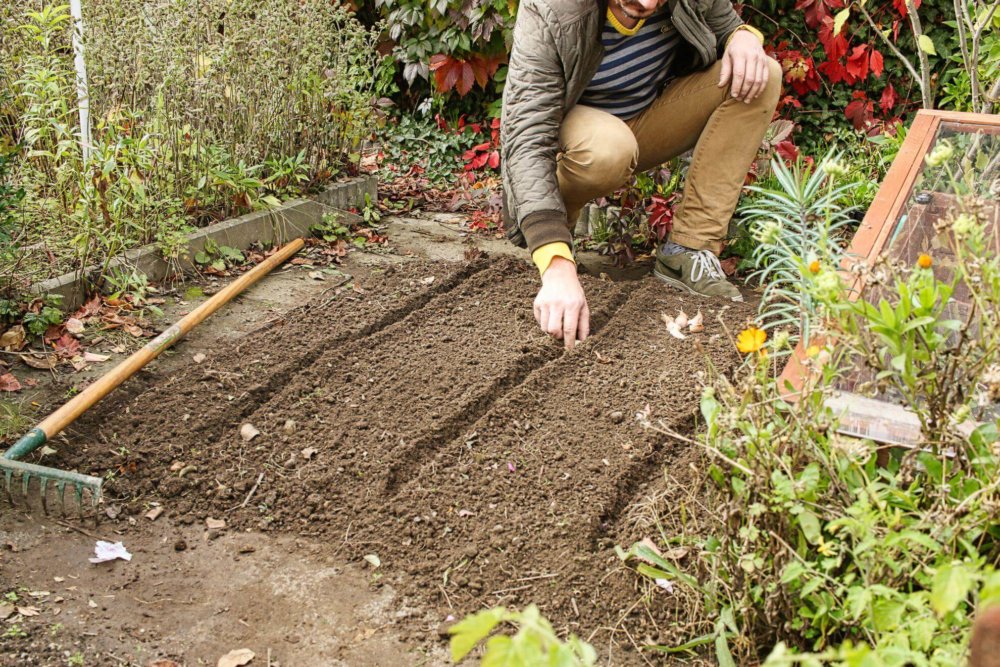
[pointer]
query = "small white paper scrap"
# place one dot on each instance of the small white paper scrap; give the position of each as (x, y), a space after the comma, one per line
(105, 551)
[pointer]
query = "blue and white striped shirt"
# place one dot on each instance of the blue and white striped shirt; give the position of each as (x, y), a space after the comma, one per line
(634, 67)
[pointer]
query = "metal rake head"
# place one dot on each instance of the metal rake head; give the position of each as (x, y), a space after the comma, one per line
(35, 480)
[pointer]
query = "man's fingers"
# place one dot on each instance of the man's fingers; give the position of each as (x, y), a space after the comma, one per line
(739, 74)
(555, 326)
(761, 80)
(570, 317)
(727, 69)
(583, 328)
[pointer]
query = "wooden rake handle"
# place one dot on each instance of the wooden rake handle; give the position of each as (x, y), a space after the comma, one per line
(70, 411)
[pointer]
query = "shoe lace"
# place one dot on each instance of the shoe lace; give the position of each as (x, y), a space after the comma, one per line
(704, 262)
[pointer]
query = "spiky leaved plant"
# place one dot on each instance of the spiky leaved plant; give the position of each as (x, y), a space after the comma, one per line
(797, 226)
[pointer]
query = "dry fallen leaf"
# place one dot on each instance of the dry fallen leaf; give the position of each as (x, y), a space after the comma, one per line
(374, 560)
(427, 281)
(43, 362)
(13, 339)
(674, 330)
(28, 611)
(248, 432)
(74, 326)
(198, 358)
(6, 610)
(215, 524)
(95, 358)
(697, 323)
(154, 513)
(9, 383)
(176, 465)
(309, 452)
(237, 658)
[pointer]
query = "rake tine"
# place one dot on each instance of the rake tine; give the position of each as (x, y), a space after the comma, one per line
(42, 484)
(25, 481)
(79, 499)
(61, 487)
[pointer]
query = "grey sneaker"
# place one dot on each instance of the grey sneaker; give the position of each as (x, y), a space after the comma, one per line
(695, 271)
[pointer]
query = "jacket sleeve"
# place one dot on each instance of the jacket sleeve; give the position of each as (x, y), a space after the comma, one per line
(722, 19)
(532, 114)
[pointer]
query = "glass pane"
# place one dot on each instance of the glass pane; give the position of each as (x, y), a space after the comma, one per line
(972, 167)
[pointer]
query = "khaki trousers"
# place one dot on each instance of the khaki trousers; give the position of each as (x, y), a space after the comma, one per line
(599, 152)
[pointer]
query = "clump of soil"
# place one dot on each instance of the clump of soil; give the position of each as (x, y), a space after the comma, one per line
(428, 421)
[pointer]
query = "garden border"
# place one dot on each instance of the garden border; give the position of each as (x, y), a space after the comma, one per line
(273, 226)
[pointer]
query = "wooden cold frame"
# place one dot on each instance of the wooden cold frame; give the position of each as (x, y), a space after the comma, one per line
(861, 416)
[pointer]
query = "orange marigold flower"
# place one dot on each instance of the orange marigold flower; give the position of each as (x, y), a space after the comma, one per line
(814, 266)
(925, 261)
(750, 340)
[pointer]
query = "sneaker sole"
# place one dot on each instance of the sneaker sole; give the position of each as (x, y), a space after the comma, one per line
(673, 282)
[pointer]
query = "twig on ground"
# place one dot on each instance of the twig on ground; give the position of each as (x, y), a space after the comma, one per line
(260, 478)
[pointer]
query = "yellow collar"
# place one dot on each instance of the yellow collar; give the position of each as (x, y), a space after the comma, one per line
(617, 25)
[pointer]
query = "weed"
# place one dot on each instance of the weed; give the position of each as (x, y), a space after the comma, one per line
(15, 631)
(218, 257)
(534, 643)
(13, 422)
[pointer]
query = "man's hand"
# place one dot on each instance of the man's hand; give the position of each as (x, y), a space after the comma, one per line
(744, 64)
(560, 307)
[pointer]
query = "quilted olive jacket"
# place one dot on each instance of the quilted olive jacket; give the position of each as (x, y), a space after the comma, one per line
(556, 52)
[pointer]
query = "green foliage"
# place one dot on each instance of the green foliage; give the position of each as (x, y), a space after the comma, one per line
(15, 631)
(462, 30)
(416, 143)
(535, 643)
(42, 314)
(13, 422)
(798, 227)
(201, 110)
(825, 548)
(218, 257)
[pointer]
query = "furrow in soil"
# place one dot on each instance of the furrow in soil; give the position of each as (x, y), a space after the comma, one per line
(407, 461)
(517, 509)
(155, 417)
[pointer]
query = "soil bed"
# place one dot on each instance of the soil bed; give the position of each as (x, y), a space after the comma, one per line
(426, 420)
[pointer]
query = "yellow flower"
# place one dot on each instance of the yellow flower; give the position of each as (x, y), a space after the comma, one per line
(925, 261)
(750, 340)
(814, 266)
(812, 351)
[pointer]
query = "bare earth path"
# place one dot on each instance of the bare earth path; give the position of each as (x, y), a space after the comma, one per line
(420, 418)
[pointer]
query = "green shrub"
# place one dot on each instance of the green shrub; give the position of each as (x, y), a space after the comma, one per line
(200, 110)
(827, 549)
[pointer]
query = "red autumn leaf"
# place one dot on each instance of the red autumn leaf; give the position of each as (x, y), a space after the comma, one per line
(888, 99)
(787, 150)
(861, 111)
(469, 154)
(479, 161)
(877, 62)
(494, 160)
(857, 63)
(495, 124)
(900, 6)
(835, 46)
(834, 71)
(66, 345)
(464, 84)
(479, 69)
(485, 146)
(9, 383)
